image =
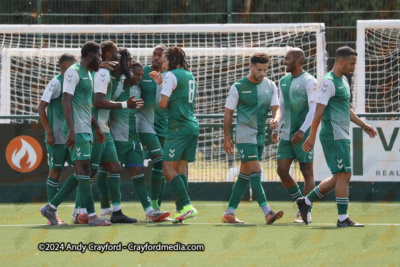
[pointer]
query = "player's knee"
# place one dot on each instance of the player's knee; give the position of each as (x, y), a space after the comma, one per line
(115, 167)
(282, 172)
(307, 171)
(55, 174)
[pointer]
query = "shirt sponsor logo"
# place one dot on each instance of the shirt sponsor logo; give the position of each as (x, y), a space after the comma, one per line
(85, 78)
(156, 150)
(246, 92)
(147, 81)
(254, 156)
(340, 87)
(283, 84)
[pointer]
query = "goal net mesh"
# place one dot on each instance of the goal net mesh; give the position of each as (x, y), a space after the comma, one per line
(217, 59)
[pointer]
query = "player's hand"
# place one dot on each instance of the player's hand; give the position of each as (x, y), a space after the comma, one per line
(70, 143)
(51, 139)
(297, 137)
(228, 146)
(309, 144)
(156, 76)
(370, 130)
(100, 137)
(274, 124)
(109, 64)
(135, 103)
(274, 137)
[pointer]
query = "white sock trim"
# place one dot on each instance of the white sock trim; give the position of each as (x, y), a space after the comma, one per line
(116, 208)
(308, 202)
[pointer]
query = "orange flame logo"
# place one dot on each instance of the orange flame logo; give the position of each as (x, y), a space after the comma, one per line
(24, 153)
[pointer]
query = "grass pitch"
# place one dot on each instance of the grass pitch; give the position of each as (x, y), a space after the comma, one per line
(254, 244)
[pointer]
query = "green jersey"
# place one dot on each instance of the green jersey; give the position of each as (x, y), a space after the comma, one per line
(151, 118)
(55, 115)
(252, 101)
(123, 121)
(78, 82)
(296, 93)
(180, 87)
(105, 83)
(334, 92)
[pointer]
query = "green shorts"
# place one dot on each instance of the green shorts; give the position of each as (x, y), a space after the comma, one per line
(82, 148)
(250, 152)
(102, 153)
(151, 144)
(287, 150)
(129, 153)
(337, 155)
(57, 156)
(178, 148)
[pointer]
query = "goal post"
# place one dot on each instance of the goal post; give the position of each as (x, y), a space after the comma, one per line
(218, 56)
(377, 75)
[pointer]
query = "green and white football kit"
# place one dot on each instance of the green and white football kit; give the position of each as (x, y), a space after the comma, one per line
(334, 92)
(104, 83)
(252, 101)
(57, 154)
(183, 128)
(297, 96)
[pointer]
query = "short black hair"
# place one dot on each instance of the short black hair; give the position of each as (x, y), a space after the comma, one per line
(260, 57)
(66, 57)
(136, 64)
(88, 47)
(345, 51)
(106, 46)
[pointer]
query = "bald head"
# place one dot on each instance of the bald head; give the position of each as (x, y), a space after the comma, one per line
(298, 55)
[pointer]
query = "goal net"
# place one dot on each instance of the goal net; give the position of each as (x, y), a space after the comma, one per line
(218, 56)
(377, 76)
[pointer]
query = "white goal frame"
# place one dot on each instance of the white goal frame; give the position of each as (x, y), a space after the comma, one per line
(6, 53)
(359, 75)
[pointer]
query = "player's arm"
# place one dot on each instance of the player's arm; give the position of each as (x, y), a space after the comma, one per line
(53, 90)
(230, 106)
(275, 132)
(276, 112)
(370, 130)
(325, 91)
(71, 80)
(101, 80)
(109, 64)
(311, 96)
(170, 84)
(101, 138)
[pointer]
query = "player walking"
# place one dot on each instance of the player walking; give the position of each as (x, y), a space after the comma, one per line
(178, 96)
(333, 107)
(252, 96)
(297, 92)
(53, 123)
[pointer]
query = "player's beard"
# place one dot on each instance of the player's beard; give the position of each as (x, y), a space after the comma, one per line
(94, 65)
(156, 64)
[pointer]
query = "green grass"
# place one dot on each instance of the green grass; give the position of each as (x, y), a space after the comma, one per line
(253, 244)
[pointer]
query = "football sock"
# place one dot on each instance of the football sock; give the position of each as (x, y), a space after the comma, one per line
(258, 190)
(104, 211)
(114, 187)
(77, 200)
(68, 187)
(116, 208)
(141, 190)
(86, 192)
(154, 204)
(238, 191)
(102, 186)
(162, 190)
(52, 188)
(314, 195)
(185, 181)
(266, 209)
(342, 205)
(155, 179)
(230, 211)
(295, 192)
(182, 198)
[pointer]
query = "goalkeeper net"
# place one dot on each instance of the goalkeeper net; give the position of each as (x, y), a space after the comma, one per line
(377, 76)
(218, 56)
